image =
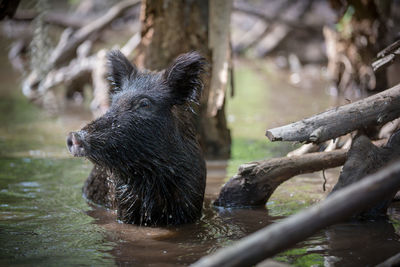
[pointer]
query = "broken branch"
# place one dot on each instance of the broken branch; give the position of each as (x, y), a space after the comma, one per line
(64, 50)
(256, 181)
(374, 110)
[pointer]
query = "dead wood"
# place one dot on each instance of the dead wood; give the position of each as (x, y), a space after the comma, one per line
(389, 128)
(15, 55)
(92, 68)
(256, 181)
(247, 9)
(387, 56)
(287, 232)
(262, 28)
(54, 18)
(389, 49)
(67, 45)
(374, 110)
(35, 87)
(279, 31)
(304, 149)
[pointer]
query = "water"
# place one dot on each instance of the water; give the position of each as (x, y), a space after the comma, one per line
(44, 221)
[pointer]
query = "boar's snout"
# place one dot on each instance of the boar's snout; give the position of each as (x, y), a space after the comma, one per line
(75, 144)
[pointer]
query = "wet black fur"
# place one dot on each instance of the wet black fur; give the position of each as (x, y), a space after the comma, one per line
(147, 143)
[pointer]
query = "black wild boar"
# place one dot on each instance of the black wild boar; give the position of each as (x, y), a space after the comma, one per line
(148, 163)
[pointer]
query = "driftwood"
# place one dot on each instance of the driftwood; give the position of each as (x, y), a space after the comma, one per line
(271, 30)
(287, 232)
(71, 40)
(256, 181)
(387, 56)
(247, 9)
(374, 110)
(71, 43)
(55, 18)
(91, 68)
(278, 31)
(260, 29)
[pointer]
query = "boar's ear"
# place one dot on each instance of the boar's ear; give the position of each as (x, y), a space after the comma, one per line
(183, 78)
(120, 70)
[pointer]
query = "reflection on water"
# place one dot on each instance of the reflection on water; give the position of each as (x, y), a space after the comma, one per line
(364, 243)
(178, 245)
(42, 214)
(45, 221)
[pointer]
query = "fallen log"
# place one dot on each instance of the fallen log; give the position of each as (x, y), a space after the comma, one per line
(377, 109)
(256, 181)
(284, 234)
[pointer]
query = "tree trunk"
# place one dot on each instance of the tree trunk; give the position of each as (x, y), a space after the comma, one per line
(170, 28)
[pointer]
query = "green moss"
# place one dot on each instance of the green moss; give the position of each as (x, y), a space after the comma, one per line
(309, 260)
(300, 257)
(344, 26)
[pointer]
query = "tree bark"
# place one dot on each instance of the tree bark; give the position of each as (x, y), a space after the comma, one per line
(287, 232)
(387, 56)
(170, 28)
(256, 181)
(374, 110)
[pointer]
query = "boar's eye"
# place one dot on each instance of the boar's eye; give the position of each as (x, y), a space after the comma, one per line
(143, 103)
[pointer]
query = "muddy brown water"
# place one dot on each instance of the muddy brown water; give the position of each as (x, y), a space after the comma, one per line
(44, 220)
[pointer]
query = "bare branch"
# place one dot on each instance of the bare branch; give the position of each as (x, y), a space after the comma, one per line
(374, 110)
(256, 181)
(64, 50)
